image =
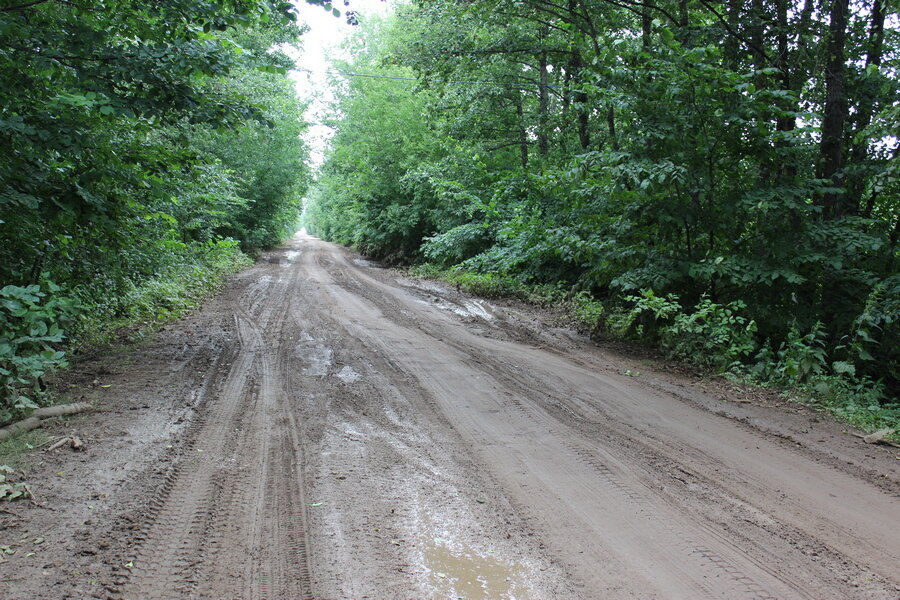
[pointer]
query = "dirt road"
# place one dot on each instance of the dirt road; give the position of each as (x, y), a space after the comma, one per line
(328, 429)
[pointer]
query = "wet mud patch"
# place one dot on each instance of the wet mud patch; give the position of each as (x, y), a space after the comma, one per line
(348, 375)
(458, 571)
(313, 355)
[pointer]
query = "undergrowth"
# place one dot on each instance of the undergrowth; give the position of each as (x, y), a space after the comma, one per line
(716, 338)
(13, 450)
(166, 297)
(42, 325)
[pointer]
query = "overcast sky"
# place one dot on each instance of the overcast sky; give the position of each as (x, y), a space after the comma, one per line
(320, 44)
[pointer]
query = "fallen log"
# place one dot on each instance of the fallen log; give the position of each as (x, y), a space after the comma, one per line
(61, 410)
(878, 437)
(74, 442)
(19, 427)
(38, 416)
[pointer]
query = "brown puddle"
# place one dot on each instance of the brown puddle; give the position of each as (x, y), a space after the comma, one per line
(464, 574)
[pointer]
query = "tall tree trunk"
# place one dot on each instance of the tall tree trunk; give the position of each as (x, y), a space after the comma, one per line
(584, 135)
(876, 35)
(782, 61)
(523, 134)
(835, 113)
(543, 99)
(757, 36)
(646, 31)
(732, 45)
(580, 102)
(787, 169)
(866, 110)
(611, 125)
(683, 32)
(581, 98)
(803, 32)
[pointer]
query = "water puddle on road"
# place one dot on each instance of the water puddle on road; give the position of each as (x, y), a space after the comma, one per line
(468, 308)
(476, 308)
(348, 374)
(462, 573)
(316, 356)
(361, 262)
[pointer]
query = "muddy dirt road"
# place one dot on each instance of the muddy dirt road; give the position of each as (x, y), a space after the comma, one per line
(328, 429)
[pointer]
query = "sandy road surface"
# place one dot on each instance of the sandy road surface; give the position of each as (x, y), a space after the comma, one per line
(327, 429)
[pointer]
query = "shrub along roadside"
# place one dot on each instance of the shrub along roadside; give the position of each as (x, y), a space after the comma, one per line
(716, 338)
(31, 332)
(42, 325)
(135, 141)
(167, 296)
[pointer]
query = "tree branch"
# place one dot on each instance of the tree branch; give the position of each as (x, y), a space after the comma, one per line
(630, 4)
(501, 146)
(23, 6)
(734, 33)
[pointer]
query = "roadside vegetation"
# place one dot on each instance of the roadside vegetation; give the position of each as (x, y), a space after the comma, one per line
(149, 150)
(717, 179)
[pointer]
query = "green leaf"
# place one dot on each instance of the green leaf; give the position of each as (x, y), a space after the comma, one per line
(843, 368)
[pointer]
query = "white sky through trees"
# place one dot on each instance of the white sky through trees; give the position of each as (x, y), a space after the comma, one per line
(319, 46)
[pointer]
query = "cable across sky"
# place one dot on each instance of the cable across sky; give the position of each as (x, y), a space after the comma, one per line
(461, 82)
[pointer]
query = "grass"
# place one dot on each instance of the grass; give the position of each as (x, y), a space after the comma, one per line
(15, 450)
(486, 285)
(136, 310)
(856, 404)
(579, 309)
(165, 298)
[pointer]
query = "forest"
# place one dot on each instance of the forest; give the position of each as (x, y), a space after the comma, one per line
(148, 150)
(718, 179)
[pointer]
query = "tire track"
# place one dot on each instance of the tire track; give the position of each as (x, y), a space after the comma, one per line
(581, 465)
(503, 379)
(564, 418)
(230, 515)
(165, 561)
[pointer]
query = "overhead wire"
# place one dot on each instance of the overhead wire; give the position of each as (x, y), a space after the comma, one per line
(451, 81)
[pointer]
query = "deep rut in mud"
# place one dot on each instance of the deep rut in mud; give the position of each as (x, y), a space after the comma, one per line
(230, 522)
(329, 429)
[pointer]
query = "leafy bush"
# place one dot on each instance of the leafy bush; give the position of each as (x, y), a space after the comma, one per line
(201, 268)
(645, 317)
(489, 285)
(31, 331)
(457, 244)
(802, 364)
(11, 490)
(799, 358)
(586, 310)
(858, 401)
(38, 323)
(867, 345)
(712, 335)
(493, 285)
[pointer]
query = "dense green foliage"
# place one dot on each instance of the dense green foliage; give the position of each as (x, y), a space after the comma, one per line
(144, 147)
(721, 176)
